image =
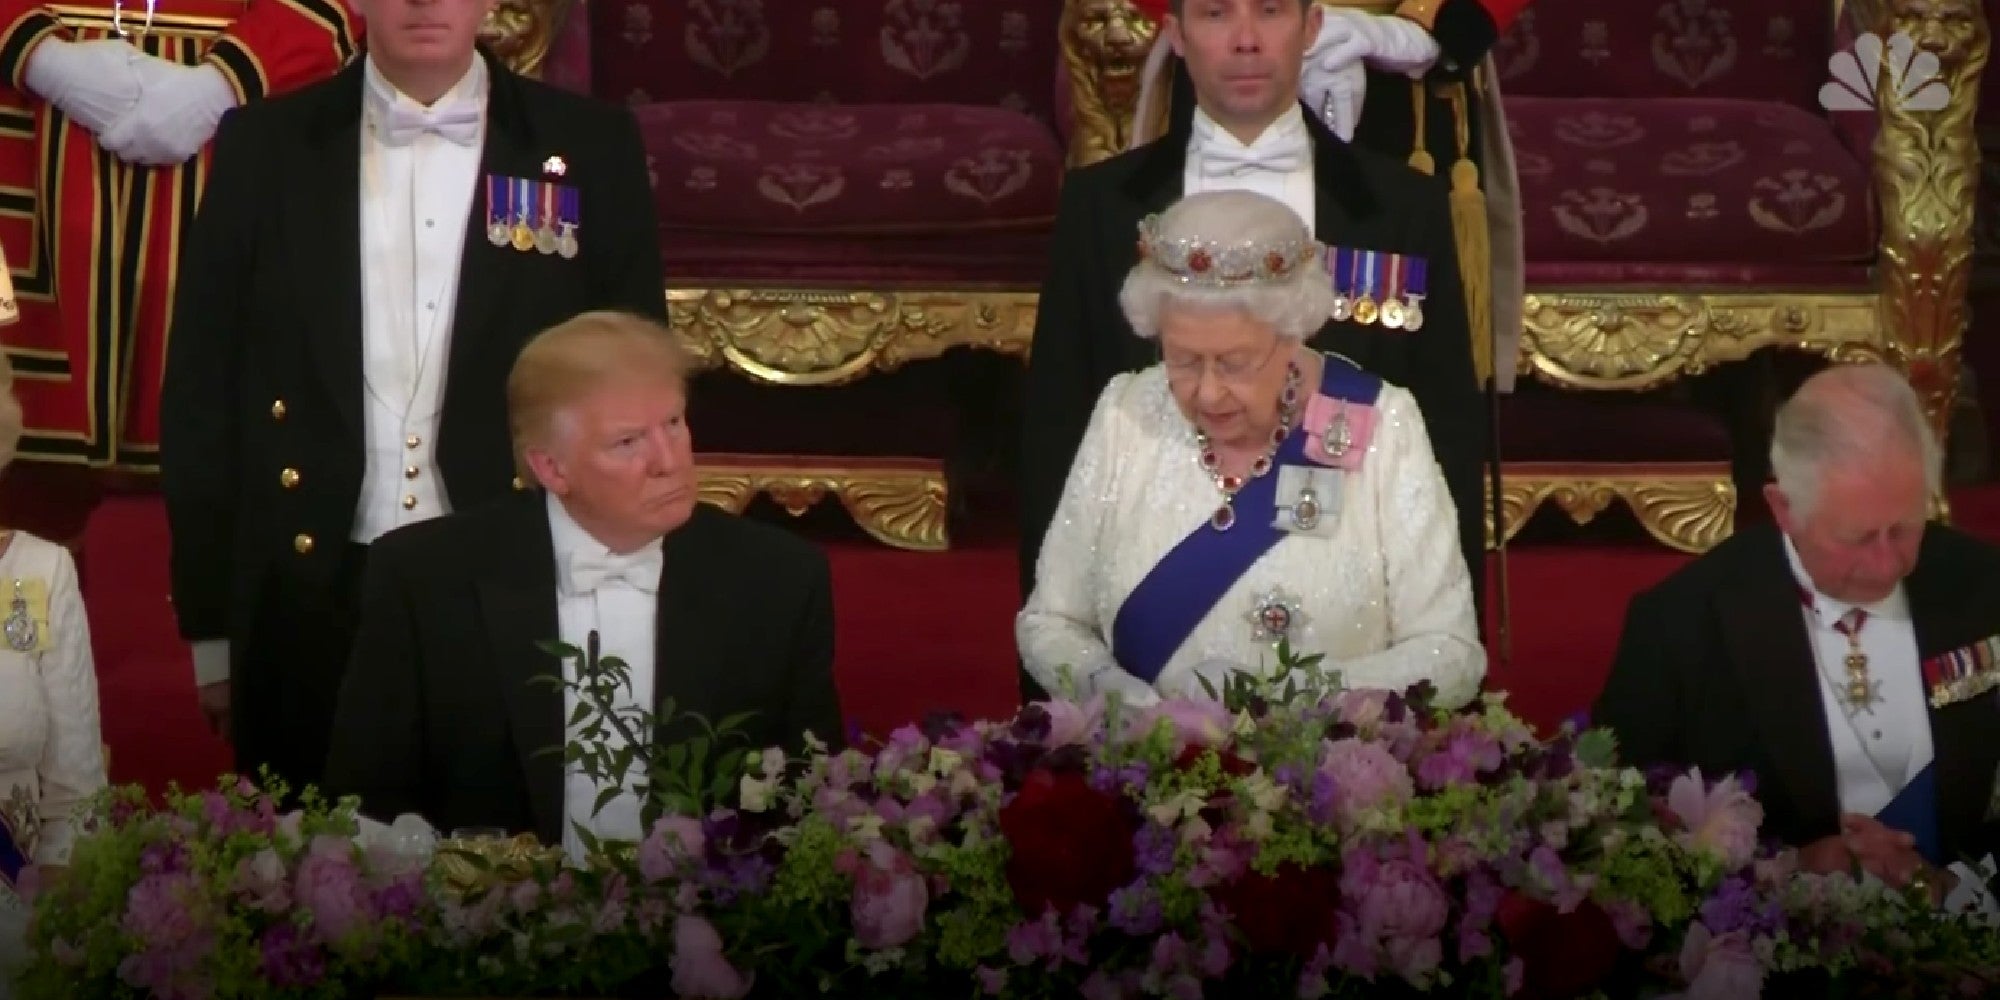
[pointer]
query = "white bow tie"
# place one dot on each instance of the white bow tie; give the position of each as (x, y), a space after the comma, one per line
(1222, 156)
(458, 122)
(639, 570)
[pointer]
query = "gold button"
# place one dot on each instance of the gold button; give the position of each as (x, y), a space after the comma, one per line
(412, 441)
(410, 472)
(277, 409)
(409, 503)
(288, 478)
(303, 544)
(518, 484)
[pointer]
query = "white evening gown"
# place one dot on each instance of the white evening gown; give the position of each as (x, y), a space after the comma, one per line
(51, 750)
(1380, 588)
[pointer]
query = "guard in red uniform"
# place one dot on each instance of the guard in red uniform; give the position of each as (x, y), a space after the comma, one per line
(105, 117)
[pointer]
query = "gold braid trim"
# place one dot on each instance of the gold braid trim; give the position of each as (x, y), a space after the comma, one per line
(1420, 157)
(1469, 227)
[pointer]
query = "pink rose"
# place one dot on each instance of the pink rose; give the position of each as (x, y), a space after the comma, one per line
(700, 968)
(1722, 819)
(1365, 776)
(1361, 709)
(330, 888)
(1719, 967)
(889, 898)
(1196, 721)
(675, 840)
(261, 880)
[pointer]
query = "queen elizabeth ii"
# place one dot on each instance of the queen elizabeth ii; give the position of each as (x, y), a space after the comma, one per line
(1248, 490)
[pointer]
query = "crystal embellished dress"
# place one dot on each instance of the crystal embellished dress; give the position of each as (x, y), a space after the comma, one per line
(1377, 584)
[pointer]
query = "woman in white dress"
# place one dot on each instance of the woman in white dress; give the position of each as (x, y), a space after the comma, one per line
(1248, 489)
(51, 754)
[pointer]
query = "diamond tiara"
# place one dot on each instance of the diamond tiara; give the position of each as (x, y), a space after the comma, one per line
(1195, 261)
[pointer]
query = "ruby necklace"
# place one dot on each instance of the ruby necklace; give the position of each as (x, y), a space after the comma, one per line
(1224, 517)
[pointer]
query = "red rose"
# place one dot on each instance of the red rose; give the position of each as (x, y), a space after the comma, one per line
(1068, 843)
(1562, 954)
(1289, 912)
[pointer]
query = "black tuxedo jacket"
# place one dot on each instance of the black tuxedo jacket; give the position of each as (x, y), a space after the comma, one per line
(264, 367)
(437, 714)
(1715, 670)
(1363, 200)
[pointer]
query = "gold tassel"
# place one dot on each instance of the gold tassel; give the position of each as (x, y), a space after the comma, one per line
(1420, 156)
(1468, 225)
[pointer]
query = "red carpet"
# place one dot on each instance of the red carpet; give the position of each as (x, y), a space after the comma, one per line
(917, 632)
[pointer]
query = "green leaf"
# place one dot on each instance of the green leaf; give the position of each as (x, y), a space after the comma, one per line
(604, 798)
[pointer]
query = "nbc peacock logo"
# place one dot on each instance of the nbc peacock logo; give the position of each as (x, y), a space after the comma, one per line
(1857, 73)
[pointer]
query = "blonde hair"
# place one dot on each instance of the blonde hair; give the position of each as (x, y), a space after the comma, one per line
(567, 362)
(1848, 413)
(10, 411)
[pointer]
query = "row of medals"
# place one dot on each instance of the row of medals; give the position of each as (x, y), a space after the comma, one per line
(1404, 314)
(522, 238)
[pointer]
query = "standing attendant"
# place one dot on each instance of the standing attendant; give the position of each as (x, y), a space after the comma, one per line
(370, 255)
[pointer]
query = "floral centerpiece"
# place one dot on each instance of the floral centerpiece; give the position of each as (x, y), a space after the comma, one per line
(1271, 841)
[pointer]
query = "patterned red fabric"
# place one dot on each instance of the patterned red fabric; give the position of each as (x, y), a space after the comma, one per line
(1539, 423)
(853, 169)
(1769, 50)
(1713, 182)
(984, 52)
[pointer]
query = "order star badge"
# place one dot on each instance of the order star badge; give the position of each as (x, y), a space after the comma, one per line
(1275, 616)
(554, 166)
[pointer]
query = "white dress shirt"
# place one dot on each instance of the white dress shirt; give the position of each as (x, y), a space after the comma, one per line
(1278, 164)
(1878, 750)
(593, 595)
(415, 199)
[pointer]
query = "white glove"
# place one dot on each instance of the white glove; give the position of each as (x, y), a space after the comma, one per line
(94, 83)
(1387, 42)
(1336, 94)
(178, 110)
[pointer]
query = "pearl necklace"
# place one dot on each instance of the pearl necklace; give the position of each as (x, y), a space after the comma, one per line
(1224, 517)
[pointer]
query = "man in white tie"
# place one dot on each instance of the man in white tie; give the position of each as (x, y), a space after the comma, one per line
(1391, 228)
(369, 256)
(713, 614)
(1848, 655)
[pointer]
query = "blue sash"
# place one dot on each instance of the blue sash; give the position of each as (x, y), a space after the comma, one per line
(12, 860)
(1184, 586)
(1914, 811)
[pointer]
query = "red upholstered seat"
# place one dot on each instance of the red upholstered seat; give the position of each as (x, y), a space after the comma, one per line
(1735, 190)
(761, 190)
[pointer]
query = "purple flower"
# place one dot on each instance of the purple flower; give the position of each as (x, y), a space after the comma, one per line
(330, 889)
(1135, 910)
(401, 899)
(674, 842)
(1460, 761)
(992, 982)
(162, 912)
(290, 959)
(1736, 906)
(1153, 849)
(163, 857)
(1195, 722)
(1406, 908)
(1482, 900)
(1032, 941)
(260, 880)
(1323, 800)
(1721, 818)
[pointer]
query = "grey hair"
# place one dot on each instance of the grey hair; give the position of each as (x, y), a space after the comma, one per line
(1296, 306)
(1843, 414)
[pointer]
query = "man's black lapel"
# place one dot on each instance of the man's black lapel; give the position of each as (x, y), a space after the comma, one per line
(688, 624)
(1764, 631)
(517, 599)
(325, 204)
(511, 150)
(1951, 608)
(1342, 196)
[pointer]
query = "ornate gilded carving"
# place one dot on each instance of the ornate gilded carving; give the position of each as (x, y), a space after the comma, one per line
(1927, 178)
(829, 337)
(1104, 46)
(1637, 341)
(1688, 508)
(520, 32)
(902, 506)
